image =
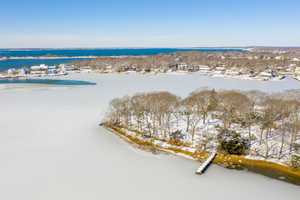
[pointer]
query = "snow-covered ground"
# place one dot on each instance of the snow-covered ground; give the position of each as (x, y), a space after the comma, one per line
(205, 138)
(51, 146)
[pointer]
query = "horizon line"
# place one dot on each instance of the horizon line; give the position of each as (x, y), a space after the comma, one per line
(156, 47)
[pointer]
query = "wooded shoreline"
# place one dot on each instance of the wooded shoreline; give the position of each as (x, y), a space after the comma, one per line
(263, 167)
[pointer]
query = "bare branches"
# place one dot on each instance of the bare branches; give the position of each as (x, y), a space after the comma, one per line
(272, 125)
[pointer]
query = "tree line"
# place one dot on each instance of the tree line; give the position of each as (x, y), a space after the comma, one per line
(247, 122)
(254, 62)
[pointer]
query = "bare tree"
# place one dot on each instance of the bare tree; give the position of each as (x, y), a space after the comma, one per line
(231, 106)
(158, 114)
(192, 113)
(204, 102)
(274, 111)
(294, 120)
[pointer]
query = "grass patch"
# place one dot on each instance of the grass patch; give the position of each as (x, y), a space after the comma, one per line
(267, 168)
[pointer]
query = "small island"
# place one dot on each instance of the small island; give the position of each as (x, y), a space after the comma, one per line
(250, 130)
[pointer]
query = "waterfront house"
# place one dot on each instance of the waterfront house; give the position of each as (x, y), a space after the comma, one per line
(297, 73)
(86, 69)
(39, 70)
(204, 69)
(182, 67)
(265, 75)
(286, 72)
(39, 67)
(172, 67)
(11, 72)
(219, 71)
(232, 72)
(61, 70)
(108, 69)
(67, 67)
(22, 72)
(2, 76)
(52, 70)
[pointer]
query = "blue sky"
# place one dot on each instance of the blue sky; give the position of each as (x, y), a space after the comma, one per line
(152, 23)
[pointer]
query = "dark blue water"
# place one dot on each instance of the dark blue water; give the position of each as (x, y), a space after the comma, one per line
(5, 65)
(46, 82)
(71, 53)
(100, 52)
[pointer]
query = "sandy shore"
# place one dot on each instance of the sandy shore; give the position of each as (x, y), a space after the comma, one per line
(51, 146)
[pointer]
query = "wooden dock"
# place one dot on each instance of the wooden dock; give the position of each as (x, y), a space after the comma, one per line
(203, 167)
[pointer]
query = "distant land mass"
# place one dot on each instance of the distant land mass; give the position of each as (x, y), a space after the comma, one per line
(18, 58)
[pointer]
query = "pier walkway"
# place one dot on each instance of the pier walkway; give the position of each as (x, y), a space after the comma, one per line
(206, 163)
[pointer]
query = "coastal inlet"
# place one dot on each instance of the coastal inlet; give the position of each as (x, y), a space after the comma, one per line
(46, 82)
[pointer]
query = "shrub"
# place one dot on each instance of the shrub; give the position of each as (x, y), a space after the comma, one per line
(295, 160)
(176, 138)
(232, 142)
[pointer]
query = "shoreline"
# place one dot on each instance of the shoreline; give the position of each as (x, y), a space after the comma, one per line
(52, 134)
(267, 168)
(212, 75)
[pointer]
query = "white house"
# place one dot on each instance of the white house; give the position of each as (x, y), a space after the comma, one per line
(12, 72)
(52, 70)
(67, 67)
(265, 75)
(182, 67)
(21, 72)
(39, 70)
(232, 72)
(86, 69)
(204, 69)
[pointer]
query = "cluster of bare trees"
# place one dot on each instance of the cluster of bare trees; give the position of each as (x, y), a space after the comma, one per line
(271, 124)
